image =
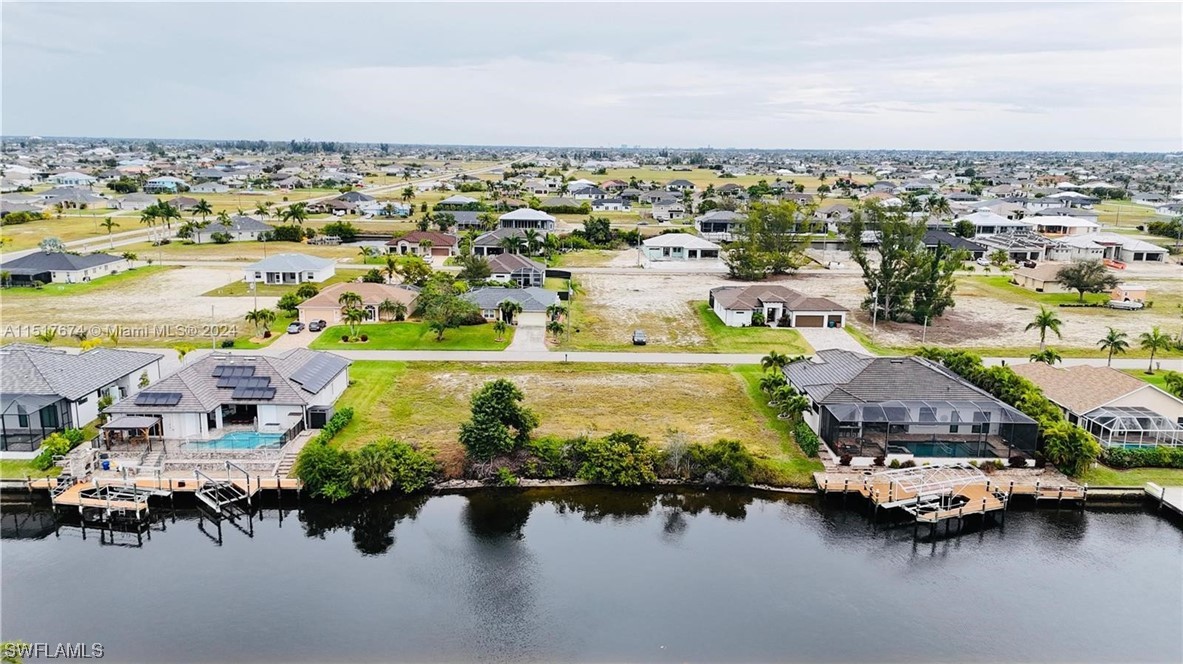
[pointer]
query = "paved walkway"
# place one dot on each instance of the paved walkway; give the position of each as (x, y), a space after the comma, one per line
(529, 335)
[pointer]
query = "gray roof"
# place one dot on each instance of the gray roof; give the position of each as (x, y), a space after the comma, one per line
(494, 238)
(502, 263)
(532, 299)
(294, 375)
(40, 261)
(29, 369)
(238, 224)
(291, 263)
(841, 376)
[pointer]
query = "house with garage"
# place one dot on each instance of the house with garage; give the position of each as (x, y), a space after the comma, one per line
(678, 247)
(904, 408)
(72, 179)
(74, 198)
(935, 238)
(507, 267)
(429, 244)
(134, 201)
(1018, 246)
(62, 268)
(1116, 408)
(239, 228)
(43, 389)
(680, 186)
(1043, 278)
(990, 223)
(1106, 246)
(611, 205)
(527, 218)
(211, 187)
(534, 300)
(290, 269)
(778, 306)
(326, 305)
(668, 211)
(1064, 225)
(719, 225)
(272, 396)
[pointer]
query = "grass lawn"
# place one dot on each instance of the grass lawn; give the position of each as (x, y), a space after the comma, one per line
(240, 288)
(68, 228)
(585, 258)
(278, 329)
(1124, 213)
(795, 468)
(413, 336)
(1000, 288)
(238, 251)
(1105, 476)
(424, 403)
(19, 469)
(726, 339)
(54, 290)
(556, 284)
(1158, 379)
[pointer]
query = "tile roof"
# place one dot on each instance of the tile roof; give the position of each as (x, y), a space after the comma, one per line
(290, 263)
(750, 298)
(30, 369)
(56, 262)
(437, 238)
(506, 262)
(838, 376)
(1079, 388)
(372, 294)
(532, 299)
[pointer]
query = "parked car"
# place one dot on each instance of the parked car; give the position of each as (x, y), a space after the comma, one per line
(296, 327)
(1029, 263)
(639, 338)
(983, 261)
(1132, 305)
(316, 325)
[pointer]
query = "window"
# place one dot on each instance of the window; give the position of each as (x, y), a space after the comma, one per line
(22, 421)
(49, 417)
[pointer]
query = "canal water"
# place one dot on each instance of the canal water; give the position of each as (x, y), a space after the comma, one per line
(599, 575)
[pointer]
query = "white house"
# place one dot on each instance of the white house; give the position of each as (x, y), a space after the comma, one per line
(506, 267)
(989, 223)
(211, 187)
(62, 268)
(43, 390)
(777, 305)
(678, 247)
(611, 205)
(663, 211)
(72, 179)
(240, 228)
(1106, 246)
(134, 201)
(165, 183)
(719, 225)
(262, 393)
(290, 269)
(527, 218)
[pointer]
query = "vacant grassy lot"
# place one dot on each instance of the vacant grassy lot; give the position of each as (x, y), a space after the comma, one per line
(412, 335)
(701, 177)
(426, 402)
(585, 258)
(1000, 288)
(1124, 213)
(1105, 476)
(238, 251)
(79, 225)
(750, 339)
(127, 278)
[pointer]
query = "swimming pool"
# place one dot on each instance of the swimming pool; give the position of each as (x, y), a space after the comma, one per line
(944, 449)
(239, 440)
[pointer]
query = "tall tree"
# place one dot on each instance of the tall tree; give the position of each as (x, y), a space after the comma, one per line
(1154, 341)
(1114, 341)
(110, 224)
(1045, 320)
(1089, 276)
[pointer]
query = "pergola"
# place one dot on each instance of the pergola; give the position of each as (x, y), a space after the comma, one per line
(139, 426)
(1132, 426)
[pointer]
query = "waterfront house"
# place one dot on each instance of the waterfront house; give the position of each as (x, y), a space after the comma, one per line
(43, 390)
(1116, 408)
(424, 243)
(240, 228)
(527, 218)
(905, 407)
(290, 269)
(62, 268)
(780, 306)
(326, 305)
(219, 393)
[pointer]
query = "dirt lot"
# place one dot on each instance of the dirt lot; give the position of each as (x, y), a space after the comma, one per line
(160, 298)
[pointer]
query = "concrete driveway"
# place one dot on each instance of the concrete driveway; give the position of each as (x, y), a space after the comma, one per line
(530, 334)
(825, 338)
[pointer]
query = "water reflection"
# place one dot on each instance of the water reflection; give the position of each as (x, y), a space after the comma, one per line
(371, 522)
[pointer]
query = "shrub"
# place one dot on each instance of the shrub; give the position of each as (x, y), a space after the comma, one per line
(1143, 457)
(55, 444)
(505, 477)
(895, 463)
(908, 464)
(845, 460)
(723, 462)
(364, 338)
(288, 303)
(548, 457)
(220, 238)
(619, 459)
(807, 440)
(227, 343)
(326, 471)
(500, 423)
(879, 461)
(345, 338)
(1018, 461)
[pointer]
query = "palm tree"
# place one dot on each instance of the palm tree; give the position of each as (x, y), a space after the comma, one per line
(388, 209)
(148, 216)
(771, 380)
(400, 310)
(387, 307)
(294, 213)
(1045, 320)
(1114, 342)
(552, 244)
(774, 360)
(353, 317)
(203, 208)
(499, 328)
(1154, 341)
(408, 193)
(261, 318)
(555, 328)
(182, 351)
(366, 252)
(425, 247)
(937, 205)
(263, 209)
(792, 407)
(509, 309)
(167, 214)
(1048, 356)
(373, 468)
(532, 241)
(781, 394)
(511, 244)
(47, 336)
(555, 311)
(110, 224)
(224, 218)
(349, 300)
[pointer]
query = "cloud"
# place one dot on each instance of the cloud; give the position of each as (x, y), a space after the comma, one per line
(953, 76)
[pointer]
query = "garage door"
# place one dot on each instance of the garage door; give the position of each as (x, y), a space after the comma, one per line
(811, 321)
(531, 320)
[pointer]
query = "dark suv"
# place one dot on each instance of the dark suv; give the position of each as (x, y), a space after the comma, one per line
(639, 338)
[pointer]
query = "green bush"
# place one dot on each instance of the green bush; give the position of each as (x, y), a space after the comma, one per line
(499, 424)
(1143, 457)
(388, 465)
(505, 477)
(807, 440)
(326, 471)
(549, 458)
(618, 459)
(56, 444)
(335, 424)
(723, 462)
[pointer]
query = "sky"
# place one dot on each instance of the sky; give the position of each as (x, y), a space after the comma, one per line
(806, 76)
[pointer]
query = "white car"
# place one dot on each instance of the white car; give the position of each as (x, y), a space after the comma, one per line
(1132, 305)
(983, 261)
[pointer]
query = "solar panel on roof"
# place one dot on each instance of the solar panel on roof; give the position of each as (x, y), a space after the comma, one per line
(233, 370)
(244, 381)
(158, 398)
(254, 393)
(318, 372)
